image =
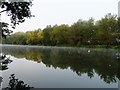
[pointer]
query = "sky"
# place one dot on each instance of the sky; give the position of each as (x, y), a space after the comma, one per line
(51, 12)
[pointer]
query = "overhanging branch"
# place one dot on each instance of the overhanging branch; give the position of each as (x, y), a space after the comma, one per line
(3, 11)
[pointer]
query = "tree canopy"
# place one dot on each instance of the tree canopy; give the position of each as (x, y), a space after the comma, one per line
(17, 11)
(83, 32)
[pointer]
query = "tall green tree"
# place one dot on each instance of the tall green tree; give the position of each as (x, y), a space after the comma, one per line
(58, 35)
(82, 32)
(107, 27)
(46, 35)
(34, 37)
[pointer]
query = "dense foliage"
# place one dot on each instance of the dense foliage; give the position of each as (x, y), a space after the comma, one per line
(17, 11)
(16, 84)
(83, 32)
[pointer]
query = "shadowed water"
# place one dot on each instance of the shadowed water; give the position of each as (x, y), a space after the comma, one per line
(60, 67)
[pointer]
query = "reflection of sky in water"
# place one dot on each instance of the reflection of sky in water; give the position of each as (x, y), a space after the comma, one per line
(37, 75)
(64, 67)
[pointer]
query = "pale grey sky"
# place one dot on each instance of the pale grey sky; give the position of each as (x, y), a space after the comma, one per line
(51, 12)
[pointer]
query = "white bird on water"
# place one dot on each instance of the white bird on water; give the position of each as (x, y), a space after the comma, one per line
(89, 51)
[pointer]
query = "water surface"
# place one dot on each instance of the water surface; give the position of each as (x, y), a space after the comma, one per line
(60, 67)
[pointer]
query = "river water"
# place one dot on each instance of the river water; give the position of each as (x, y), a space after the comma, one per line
(62, 67)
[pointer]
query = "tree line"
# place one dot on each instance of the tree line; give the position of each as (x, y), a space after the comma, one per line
(105, 31)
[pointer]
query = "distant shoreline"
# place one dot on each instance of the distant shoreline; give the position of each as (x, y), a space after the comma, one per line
(82, 46)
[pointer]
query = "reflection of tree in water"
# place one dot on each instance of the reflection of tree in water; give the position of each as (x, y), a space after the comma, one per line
(102, 63)
(26, 53)
(80, 61)
(4, 62)
(0, 80)
(16, 84)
